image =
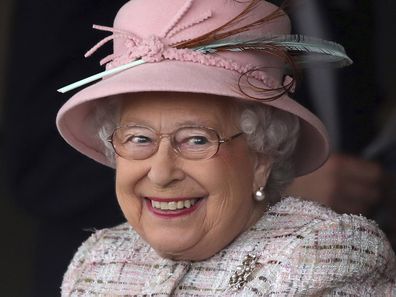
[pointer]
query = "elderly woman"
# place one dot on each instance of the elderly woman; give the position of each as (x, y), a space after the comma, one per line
(194, 115)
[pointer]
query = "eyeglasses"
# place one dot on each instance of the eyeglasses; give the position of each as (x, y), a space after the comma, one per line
(135, 142)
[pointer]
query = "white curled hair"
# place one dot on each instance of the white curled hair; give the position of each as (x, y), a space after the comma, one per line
(273, 134)
(107, 118)
(270, 132)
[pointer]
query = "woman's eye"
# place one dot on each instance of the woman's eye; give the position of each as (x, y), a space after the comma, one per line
(197, 140)
(138, 139)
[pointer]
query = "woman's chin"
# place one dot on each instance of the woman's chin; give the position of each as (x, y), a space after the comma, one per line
(173, 245)
(173, 234)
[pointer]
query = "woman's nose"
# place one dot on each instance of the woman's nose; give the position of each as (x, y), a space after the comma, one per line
(165, 165)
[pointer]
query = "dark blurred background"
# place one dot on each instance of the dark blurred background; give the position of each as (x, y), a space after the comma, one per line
(367, 29)
(16, 250)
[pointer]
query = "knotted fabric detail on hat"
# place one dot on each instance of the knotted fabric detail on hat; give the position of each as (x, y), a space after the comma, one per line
(154, 49)
(150, 49)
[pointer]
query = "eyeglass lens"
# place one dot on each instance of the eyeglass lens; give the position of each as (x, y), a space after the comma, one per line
(139, 142)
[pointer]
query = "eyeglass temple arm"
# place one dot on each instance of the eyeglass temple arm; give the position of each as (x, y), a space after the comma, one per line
(230, 138)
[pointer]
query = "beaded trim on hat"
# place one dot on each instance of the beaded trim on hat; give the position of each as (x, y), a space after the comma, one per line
(154, 49)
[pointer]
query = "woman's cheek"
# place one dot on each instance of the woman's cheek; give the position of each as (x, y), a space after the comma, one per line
(131, 205)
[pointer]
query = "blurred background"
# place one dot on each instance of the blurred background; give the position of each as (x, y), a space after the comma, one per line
(16, 251)
(50, 195)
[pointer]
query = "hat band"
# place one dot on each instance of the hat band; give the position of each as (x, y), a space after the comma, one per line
(154, 49)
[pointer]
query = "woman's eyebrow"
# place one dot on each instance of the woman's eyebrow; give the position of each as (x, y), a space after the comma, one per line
(180, 123)
(197, 122)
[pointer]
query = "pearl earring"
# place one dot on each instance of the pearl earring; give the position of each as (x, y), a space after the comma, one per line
(259, 195)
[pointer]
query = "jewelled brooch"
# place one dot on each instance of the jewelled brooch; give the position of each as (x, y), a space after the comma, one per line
(243, 272)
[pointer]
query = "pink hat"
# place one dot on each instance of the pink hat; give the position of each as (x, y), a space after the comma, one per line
(201, 46)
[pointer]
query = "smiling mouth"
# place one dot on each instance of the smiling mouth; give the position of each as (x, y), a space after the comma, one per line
(172, 208)
(174, 205)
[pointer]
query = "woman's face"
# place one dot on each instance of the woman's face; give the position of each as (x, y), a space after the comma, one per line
(213, 197)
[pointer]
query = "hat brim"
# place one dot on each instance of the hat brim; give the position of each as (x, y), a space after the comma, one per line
(74, 119)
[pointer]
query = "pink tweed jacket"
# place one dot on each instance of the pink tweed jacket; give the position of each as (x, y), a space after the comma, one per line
(302, 249)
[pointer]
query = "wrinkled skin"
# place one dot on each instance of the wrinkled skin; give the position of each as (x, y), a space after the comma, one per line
(226, 181)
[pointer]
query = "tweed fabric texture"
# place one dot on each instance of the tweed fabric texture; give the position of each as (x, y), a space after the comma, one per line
(303, 249)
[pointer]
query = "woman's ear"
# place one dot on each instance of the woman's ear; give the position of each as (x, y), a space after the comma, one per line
(262, 171)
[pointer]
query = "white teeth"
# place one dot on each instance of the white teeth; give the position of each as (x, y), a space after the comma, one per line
(164, 205)
(173, 205)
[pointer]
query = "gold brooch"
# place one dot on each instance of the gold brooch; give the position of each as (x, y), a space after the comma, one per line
(243, 272)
